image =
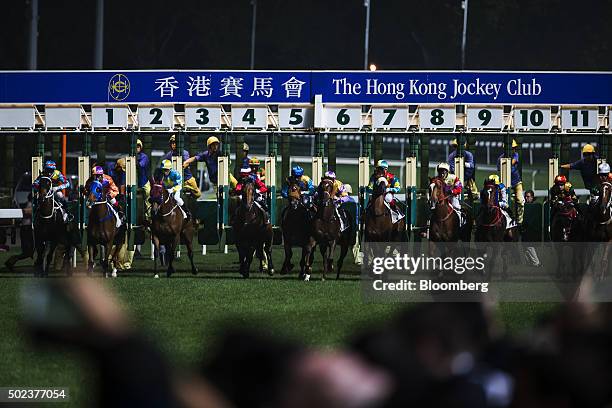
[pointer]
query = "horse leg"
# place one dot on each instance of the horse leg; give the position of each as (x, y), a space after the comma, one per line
(194, 270)
(38, 264)
(324, 248)
(156, 254)
(287, 266)
(50, 253)
(344, 247)
(307, 259)
(268, 253)
(250, 252)
(170, 253)
(244, 270)
(114, 257)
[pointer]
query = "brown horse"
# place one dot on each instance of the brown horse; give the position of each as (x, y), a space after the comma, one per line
(379, 226)
(444, 221)
(491, 223)
(49, 227)
(101, 229)
(325, 232)
(295, 221)
(253, 233)
(169, 228)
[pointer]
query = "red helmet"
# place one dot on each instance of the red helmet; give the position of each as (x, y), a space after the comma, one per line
(560, 179)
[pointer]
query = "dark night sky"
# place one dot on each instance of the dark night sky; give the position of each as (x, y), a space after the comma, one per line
(317, 34)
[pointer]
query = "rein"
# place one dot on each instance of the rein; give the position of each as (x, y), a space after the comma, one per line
(442, 200)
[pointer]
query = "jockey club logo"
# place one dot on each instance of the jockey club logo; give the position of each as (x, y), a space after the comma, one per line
(119, 87)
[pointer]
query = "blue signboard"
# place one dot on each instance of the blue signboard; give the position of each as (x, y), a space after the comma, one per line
(277, 87)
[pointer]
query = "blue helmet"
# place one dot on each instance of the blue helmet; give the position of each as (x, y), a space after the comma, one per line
(297, 171)
(50, 165)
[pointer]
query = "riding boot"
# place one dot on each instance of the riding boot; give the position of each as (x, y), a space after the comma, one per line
(187, 212)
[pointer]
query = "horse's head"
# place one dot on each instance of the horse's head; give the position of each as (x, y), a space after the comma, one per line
(604, 196)
(44, 188)
(436, 192)
(380, 185)
(488, 196)
(248, 192)
(325, 191)
(294, 193)
(157, 196)
(96, 192)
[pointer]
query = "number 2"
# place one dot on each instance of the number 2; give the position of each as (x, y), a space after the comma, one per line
(157, 116)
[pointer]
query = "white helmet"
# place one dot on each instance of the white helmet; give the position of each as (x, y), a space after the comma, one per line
(443, 166)
(604, 168)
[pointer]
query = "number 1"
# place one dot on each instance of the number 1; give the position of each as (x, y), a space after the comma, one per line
(109, 116)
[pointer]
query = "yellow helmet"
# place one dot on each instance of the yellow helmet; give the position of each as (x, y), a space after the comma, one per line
(166, 164)
(495, 178)
(211, 140)
(453, 142)
(245, 147)
(172, 139)
(514, 144)
(138, 142)
(588, 148)
(120, 164)
(254, 161)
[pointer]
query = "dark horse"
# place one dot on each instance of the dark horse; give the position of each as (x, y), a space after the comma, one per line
(378, 223)
(444, 221)
(567, 226)
(491, 227)
(49, 226)
(600, 223)
(252, 232)
(169, 228)
(491, 223)
(101, 229)
(325, 232)
(295, 225)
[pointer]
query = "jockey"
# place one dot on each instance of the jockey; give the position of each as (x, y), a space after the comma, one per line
(110, 188)
(452, 187)
(260, 190)
(603, 175)
(500, 198)
(303, 181)
(562, 190)
(256, 171)
(393, 187)
(340, 196)
(172, 182)
(59, 182)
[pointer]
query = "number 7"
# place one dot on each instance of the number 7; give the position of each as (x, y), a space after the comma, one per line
(390, 114)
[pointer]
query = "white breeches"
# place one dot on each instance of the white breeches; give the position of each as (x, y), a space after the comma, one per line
(388, 198)
(455, 203)
(177, 197)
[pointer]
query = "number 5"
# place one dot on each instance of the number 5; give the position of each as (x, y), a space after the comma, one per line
(295, 117)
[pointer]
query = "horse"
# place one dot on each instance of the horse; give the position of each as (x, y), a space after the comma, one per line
(101, 229)
(379, 226)
(253, 234)
(325, 232)
(600, 223)
(444, 221)
(567, 226)
(49, 226)
(491, 223)
(491, 227)
(295, 221)
(169, 228)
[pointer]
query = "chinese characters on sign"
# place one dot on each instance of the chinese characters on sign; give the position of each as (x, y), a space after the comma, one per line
(231, 87)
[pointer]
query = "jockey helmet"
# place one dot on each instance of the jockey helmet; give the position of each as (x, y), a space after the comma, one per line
(120, 164)
(560, 179)
(211, 140)
(588, 148)
(514, 144)
(443, 166)
(330, 174)
(382, 164)
(139, 142)
(166, 164)
(50, 165)
(297, 171)
(454, 143)
(172, 139)
(245, 147)
(495, 178)
(98, 170)
(254, 161)
(603, 168)
(245, 171)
